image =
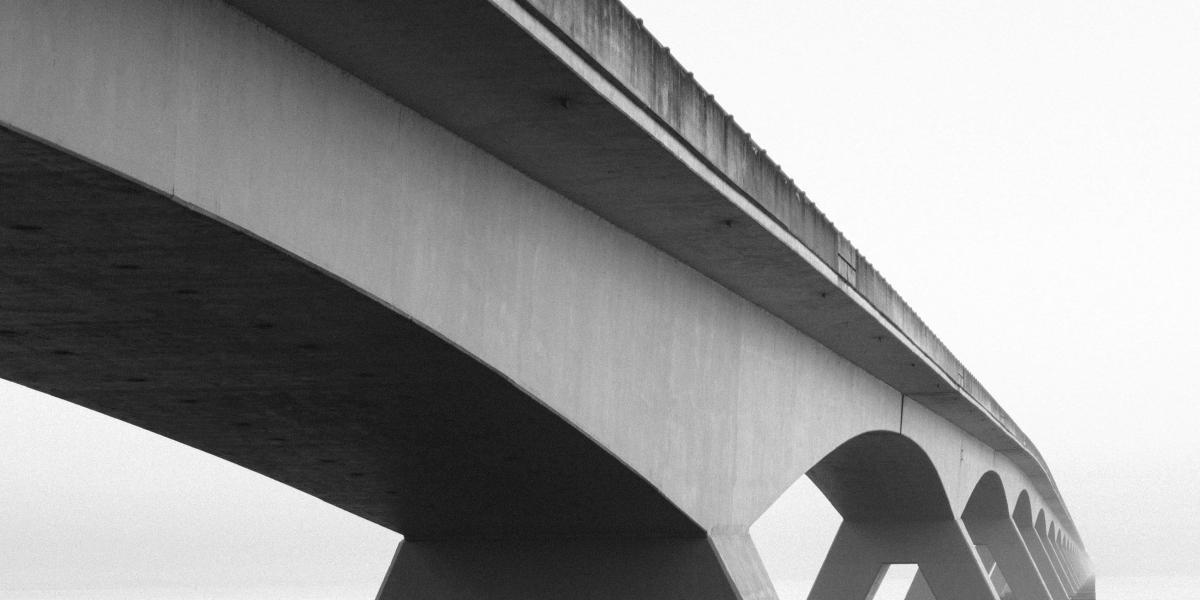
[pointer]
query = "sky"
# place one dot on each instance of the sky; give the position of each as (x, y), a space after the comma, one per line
(1024, 173)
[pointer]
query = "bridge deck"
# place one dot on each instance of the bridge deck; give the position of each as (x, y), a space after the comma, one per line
(583, 99)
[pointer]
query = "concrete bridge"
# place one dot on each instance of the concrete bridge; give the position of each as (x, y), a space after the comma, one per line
(498, 275)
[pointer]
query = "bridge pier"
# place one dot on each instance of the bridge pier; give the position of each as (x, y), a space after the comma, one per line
(742, 565)
(987, 521)
(1054, 542)
(1040, 557)
(1078, 565)
(919, 590)
(1003, 540)
(1067, 567)
(941, 549)
(1072, 559)
(523, 569)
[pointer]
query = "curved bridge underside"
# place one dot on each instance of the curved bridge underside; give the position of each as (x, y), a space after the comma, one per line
(120, 300)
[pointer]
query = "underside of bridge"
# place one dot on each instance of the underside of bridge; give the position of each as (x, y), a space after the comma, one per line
(133, 303)
(120, 300)
(881, 476)
(895, 511)
(477, 69)
(469, 67)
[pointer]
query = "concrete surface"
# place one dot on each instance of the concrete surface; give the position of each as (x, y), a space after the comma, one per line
(635, 569)
(580, 96)
(1040, 527)
(120, 300)
(989, 523)
(940, 547)
(1023, 518)
(547, 322)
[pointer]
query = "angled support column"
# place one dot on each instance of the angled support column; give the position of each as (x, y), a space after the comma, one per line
(1080, 565)
(625, 569)
(1085, 565)
(919, 590)
(1014, 559)
(743, 566)
(1040, 558)
(1081, 570)
(1055, 560)
(853, 567)
(1039, 528)
(1067, 564)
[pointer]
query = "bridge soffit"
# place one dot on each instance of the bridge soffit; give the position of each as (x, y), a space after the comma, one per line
(957, 458)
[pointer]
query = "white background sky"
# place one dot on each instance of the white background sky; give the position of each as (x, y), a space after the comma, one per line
(1025, 173)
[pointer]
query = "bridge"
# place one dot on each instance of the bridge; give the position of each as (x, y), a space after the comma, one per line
(498, 275)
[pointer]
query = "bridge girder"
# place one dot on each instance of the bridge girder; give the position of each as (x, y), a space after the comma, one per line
(322, 246)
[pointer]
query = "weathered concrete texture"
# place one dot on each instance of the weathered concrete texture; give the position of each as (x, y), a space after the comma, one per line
(556, 569)
(610, 37)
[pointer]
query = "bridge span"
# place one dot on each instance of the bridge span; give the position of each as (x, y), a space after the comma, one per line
(498, 275)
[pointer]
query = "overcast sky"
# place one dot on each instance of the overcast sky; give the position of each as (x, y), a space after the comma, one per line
(1025, 173)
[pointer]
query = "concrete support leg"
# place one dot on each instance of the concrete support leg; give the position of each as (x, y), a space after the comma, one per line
(557, 568)
(941, 549)
(1015, 560)
(919, 590)
(1050, 576)
(743, 566)
(1055, 560)
(1068, 565)
(1081, 571)
(1081, 564)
